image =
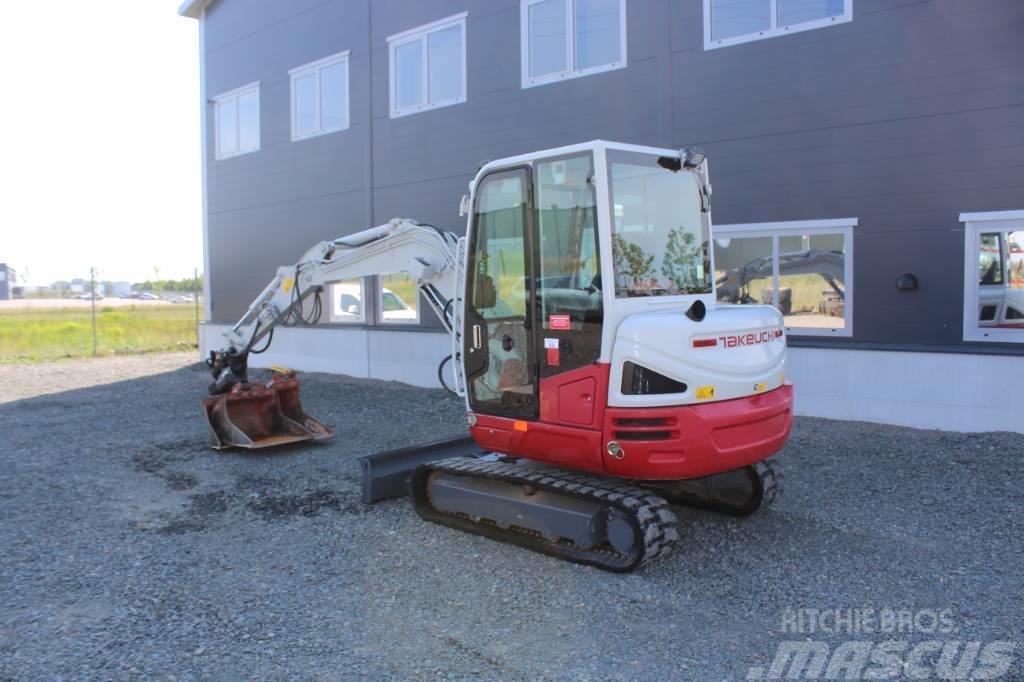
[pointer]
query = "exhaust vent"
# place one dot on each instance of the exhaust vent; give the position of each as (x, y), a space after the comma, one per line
(645, 428)
(637, 380)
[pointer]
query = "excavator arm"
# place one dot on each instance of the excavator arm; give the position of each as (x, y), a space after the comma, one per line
(427, 253)
(255, 415)
(828, 264)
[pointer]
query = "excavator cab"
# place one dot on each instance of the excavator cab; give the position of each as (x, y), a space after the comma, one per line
(599, 337)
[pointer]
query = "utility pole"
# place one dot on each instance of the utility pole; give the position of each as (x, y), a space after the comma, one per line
(195, 297)
(92, 286)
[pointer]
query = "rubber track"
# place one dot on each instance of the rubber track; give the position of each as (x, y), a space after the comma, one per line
(771, 481)
(767, 488)
(652, 518)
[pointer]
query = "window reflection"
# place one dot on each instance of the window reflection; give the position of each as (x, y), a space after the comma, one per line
(1001, 279)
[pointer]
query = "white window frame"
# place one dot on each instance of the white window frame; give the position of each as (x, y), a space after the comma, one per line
(795, 228)
(315, 68)
(422, 33)
(355, 319)
(380, 305)
(775, 30)
(974, 225)
(221, 99)
(570, 47)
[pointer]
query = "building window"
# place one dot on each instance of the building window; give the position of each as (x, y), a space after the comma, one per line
(804, 268)
(320, 97)
(729, 22)
(994, 276)
(569, 38)
(428, 66)
(347, 302)
(237, 121)
(399, 299)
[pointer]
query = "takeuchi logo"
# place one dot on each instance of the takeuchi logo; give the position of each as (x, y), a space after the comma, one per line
(737, 340)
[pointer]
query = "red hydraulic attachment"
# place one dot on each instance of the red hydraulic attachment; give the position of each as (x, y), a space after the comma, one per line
(255, 415)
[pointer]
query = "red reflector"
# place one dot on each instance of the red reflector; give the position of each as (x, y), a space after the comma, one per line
(704, 343)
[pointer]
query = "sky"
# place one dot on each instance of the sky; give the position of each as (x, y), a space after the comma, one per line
(100, 161)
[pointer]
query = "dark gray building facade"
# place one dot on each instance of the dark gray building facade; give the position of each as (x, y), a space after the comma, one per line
(889, 132)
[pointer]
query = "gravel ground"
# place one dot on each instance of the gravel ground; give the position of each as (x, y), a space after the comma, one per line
(130, 549)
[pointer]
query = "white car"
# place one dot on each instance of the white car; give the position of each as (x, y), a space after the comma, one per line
(347, 304)
(182, 299)
(1001, 280)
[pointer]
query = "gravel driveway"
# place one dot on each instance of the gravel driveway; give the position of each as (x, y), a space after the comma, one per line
(128, 548)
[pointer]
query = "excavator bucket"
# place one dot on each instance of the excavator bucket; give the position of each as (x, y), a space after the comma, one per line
(255, 415)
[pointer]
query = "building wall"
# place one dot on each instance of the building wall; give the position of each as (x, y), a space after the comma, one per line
(905, 117)
(8, 281)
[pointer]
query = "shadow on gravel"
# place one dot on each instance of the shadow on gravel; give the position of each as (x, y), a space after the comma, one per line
(201, 508)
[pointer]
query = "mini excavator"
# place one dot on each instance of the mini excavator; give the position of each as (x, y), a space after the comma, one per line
(603, 382)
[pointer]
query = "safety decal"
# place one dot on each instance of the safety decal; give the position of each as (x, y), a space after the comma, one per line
(559, 322)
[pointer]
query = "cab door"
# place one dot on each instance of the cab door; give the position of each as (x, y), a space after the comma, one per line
(499, 344)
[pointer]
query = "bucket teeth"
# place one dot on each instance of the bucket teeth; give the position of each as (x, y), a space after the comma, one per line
(254, 415)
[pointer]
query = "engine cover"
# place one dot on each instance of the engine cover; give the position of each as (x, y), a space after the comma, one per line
(735, 351)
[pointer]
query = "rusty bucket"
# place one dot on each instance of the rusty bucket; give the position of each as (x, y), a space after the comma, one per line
(255, 415)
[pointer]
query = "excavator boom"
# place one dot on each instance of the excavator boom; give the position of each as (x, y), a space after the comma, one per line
(240, 413)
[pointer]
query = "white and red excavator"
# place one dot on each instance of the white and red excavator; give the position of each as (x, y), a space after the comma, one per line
(603, 383)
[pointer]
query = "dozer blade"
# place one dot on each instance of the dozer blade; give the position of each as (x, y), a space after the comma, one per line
(255, 415)
(386, 474)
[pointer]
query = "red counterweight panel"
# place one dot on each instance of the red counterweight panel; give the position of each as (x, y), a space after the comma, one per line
(688, 441)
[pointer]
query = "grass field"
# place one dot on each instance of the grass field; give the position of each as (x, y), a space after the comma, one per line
(42, 334)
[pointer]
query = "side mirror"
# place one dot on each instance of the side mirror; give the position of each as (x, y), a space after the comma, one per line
(353, 309)
(485, 295)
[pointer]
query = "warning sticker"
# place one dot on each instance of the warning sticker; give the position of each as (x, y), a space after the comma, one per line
(554, 360)
(705, 392)
(550, 343)
(560, 322)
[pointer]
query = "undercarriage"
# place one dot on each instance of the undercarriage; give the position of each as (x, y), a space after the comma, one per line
(609, 523)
